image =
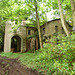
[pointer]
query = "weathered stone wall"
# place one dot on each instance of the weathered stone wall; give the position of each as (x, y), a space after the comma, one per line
(30, 38)
(52, 27)
(21, 32)
(25, 33)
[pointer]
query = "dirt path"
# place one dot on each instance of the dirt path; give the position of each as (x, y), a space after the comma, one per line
(13, 67)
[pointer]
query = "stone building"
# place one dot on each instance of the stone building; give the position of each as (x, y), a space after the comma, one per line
(20, 40)
(53, 27)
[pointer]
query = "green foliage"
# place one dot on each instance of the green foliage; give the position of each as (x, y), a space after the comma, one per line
(66, 7)
(2, 28)
(33, 35)
(21, 10)
(53, 59)
(62, 55)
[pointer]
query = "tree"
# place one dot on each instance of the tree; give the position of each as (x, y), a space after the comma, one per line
(73, 11)
(62, 18)
(38, 10)
(38, 25)
(66, 6)
(18, 13)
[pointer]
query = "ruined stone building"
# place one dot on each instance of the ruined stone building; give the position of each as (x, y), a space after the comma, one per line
(21, 41)
(53, 27)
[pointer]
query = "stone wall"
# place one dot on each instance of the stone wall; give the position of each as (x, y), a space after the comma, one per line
(30, 38)
(28, 42)
(52, 27)
(22, 32)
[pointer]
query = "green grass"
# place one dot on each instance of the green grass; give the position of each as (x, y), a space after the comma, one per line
(25, 58)
(31, 60)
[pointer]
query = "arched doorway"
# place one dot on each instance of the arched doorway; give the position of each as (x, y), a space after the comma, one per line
(15, 44)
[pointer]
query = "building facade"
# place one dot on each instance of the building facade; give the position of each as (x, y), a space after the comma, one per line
(24, 40)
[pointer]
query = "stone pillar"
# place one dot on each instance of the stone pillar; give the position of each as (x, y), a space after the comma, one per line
(24, 44)
(24, 37)
(7, 44)
(7, 38)
(21, 44)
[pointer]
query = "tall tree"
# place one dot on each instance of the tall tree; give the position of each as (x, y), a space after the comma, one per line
(38, 9)
(62, 18)
(21, 9)
(38, 24)
(73, 12)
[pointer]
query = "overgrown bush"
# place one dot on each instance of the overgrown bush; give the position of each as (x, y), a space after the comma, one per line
(53, 59)
(58, 59)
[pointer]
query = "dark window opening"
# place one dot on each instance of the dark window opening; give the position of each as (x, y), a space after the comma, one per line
(28, 32)
(56, 28)
(43, 30)
(62, 28)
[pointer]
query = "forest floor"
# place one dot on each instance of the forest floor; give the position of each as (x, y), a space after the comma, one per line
(9, 66)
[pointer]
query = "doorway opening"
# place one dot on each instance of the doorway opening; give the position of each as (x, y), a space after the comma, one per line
(15, 44)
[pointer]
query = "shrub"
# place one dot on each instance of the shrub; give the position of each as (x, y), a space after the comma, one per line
(58, 59)
(53, 59)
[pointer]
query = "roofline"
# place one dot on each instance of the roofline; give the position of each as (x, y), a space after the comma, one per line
(55, 20)
(50, 21)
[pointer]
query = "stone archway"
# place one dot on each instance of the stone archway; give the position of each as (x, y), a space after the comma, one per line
(15, 44)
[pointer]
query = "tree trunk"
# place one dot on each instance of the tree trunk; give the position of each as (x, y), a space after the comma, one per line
(73, 12)
(38, 25)
(62, 18)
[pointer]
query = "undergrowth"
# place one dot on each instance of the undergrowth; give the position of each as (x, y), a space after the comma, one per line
(53, 59)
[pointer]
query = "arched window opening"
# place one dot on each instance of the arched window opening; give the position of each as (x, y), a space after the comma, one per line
(15, 44)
